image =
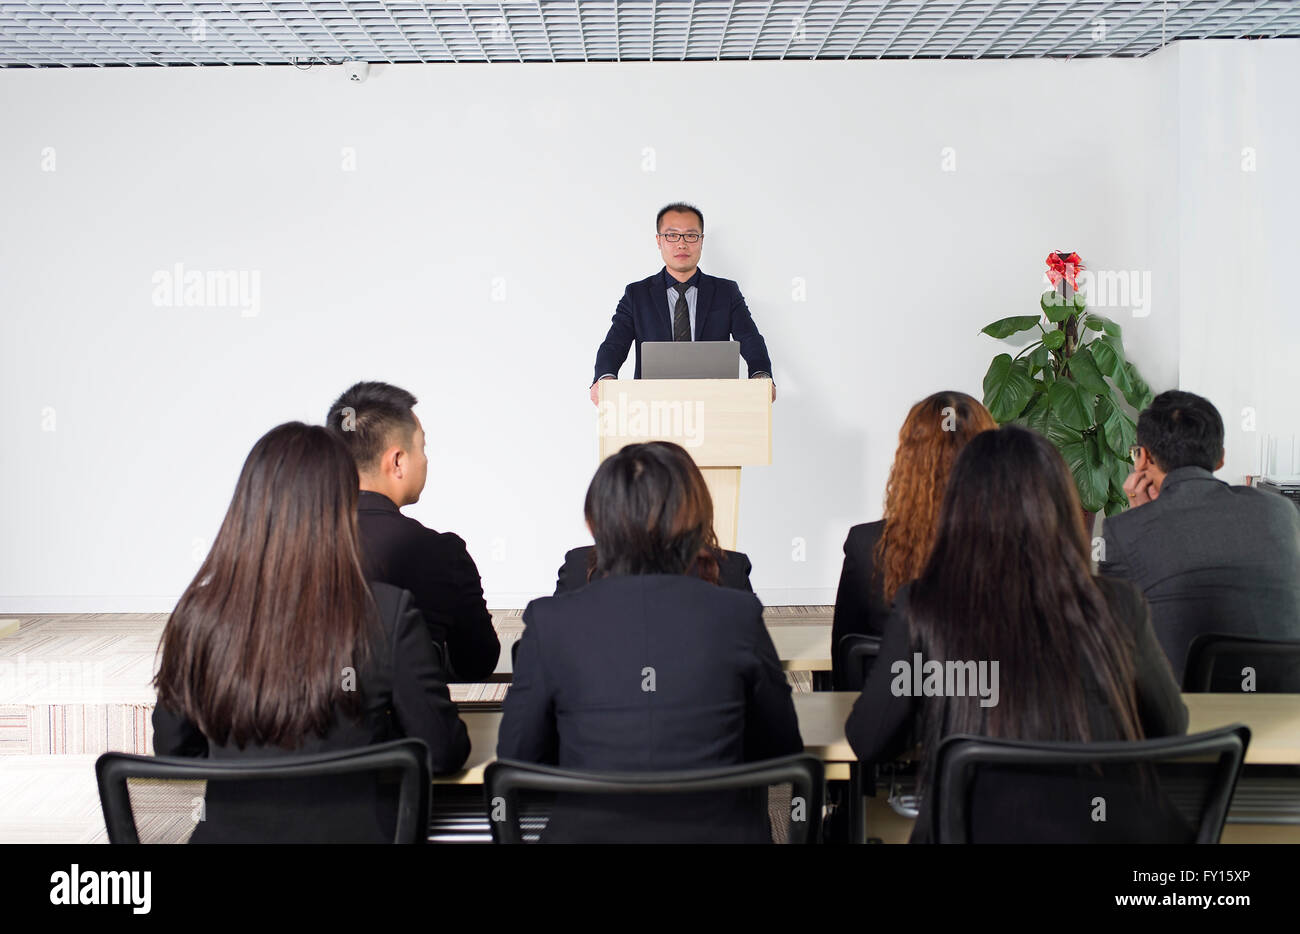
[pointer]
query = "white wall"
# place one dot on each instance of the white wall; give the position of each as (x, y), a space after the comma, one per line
(1239, 202)
(533, 175)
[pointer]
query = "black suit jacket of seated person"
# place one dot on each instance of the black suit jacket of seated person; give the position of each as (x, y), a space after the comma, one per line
(1047, 808)
(860, 605)
(733, 570)
(438, 570)
(650, 673)
(403, 693)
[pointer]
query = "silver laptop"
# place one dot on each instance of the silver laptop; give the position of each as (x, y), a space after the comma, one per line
(690, 360)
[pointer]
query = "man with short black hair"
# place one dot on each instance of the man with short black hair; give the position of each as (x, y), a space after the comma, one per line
(680, 303)
(1210, 558)
(387, 441)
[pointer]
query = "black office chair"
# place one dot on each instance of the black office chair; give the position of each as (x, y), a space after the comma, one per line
(857, 654)
(1215, 663)
(404, 763)
(1169, 790)
(504, 780)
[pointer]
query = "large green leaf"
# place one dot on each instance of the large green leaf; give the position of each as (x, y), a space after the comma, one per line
(1061, 434)
(1109, 359)
(1007, 387)
(1103, 350)
(1072, 403)
(1116, 343)
(1101, 323)
(1039, 359)
(1139, 393)
(1055, 306)
(1091, 475)
(1119, 471)
(1040, 417)
(1005, 327)
(1116, 428)
(1037, 402)
(1084, 369)
(1054, 340)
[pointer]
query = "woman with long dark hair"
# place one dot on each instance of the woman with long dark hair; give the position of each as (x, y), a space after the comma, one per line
(650, 667)
(1008, 580)
(882, 556)
(279, 647)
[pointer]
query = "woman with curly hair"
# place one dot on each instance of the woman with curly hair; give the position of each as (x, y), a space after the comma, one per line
(882, 556)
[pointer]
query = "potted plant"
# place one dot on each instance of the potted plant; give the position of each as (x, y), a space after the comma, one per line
(1067, 385)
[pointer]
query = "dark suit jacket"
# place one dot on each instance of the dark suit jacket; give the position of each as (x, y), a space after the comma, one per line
(643, 315)
(403, 693)
(580, 701)
(881, 725)
(860, 605)
(438, 571)
(733, 570)
(1210, 558)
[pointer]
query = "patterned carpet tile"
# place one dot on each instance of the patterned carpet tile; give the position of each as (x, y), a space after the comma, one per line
(50, 799)
(81, 684)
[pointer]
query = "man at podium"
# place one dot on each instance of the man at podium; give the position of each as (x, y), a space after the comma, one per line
(680, 303)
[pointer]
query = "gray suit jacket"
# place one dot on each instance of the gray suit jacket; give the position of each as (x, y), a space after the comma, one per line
(1210, 558)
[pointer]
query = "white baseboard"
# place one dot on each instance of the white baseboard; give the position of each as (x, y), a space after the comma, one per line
(44, 605)
(796, 596)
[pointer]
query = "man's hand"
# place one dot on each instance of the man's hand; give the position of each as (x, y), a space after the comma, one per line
(1140, 488)
(763, 374)
(595, 392)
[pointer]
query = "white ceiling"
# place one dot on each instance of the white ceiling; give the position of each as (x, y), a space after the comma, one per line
(104, 34)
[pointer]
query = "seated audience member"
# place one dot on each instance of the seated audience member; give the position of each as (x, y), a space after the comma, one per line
(387, 440)
(1008, 582)
(650, 667)
(255, 656)
(882, 556)
(1208, 556)
(580, 564)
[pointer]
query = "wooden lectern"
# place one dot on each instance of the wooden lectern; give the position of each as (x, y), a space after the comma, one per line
(724, 424)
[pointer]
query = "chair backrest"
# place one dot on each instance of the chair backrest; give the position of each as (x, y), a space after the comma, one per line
(505, 779)
(1216, 662)
(858, 653)
(1168, 790)
(405, 760)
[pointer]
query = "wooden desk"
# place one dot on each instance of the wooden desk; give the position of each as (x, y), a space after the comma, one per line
(804, 647)
(1274, 721)
(821, 723)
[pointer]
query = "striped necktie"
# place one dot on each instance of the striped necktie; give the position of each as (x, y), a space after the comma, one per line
(681, 314)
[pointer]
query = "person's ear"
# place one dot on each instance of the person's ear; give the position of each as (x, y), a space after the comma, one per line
(395, 458)
(1222, 458)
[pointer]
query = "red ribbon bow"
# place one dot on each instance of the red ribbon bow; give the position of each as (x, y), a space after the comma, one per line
(1062, 266)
